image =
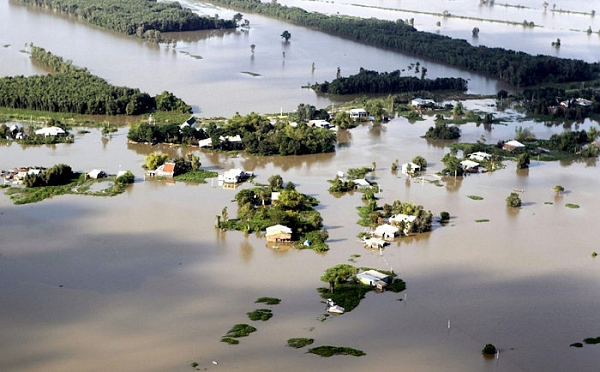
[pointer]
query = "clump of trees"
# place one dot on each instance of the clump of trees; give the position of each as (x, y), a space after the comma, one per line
(443, 131)
(74, 90)
(513, 200)
(143, 18)
(60, 174)
(256, 212)
(370, 82)
(523, 160)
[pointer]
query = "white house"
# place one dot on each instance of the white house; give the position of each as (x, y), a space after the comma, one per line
(480, 156)
(278, 233)
(386, 231)
(234, 175)
(50, 131)
(410, 168)
(357, 114)
(374, 278)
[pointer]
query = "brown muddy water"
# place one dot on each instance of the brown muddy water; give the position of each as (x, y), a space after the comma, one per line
(143, 281)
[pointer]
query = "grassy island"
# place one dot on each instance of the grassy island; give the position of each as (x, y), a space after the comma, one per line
(61, 180)
(143, 18)
(327, 351)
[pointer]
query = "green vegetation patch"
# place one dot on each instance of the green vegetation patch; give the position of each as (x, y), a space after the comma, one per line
(576, 344)
(592, 340)
(480, 220)
(268, 300)
(230, 341)
(240, 330)
(572, 206)
(298, 343)
(548, 203)
(327, 351)
(196, 176)
(475, 197)
(260, 314)
(489, 349)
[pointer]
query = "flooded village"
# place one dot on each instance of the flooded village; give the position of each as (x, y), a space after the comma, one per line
(143, 280)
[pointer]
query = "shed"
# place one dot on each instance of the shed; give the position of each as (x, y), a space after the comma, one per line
(361, 183)
(358, 113)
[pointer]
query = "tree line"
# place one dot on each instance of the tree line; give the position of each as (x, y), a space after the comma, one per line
(144, 18)
(367, 81)
(516, 68)
(75, 90)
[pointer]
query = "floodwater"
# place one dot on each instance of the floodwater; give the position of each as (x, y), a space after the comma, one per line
(211, 70)
(144, 282)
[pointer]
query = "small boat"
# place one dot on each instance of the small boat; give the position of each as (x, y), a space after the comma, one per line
(335, 309)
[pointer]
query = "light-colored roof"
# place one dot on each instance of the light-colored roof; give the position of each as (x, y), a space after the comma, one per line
(385, 229)
(403, 217)
(479, 155)
(468, 164)
(50, 131)
(361, 182)
(377, 274)
(276, 229)
(358, 111)
(236, 138)
(205, 143)
(95, 173)
(275, 195)
(514, 143)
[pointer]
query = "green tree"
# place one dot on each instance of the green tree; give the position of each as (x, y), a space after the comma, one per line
(513, 200)
(558, 189)
(523, 160)
(420, 161)
(338, 274)
(275, 182)
(155, 160)
(286, 35)
(458, 109)
(524, 134)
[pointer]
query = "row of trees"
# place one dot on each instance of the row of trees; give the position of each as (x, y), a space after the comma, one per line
(516, 68)
(367, 81)
(144, 18)
(76, 90)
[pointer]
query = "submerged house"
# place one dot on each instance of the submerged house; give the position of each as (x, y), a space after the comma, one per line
(235, 175)
(386, 231)
(358, 114)
(50, 132)
(403, 220)
(374, 278)
(165, 170)
(410, 169)
(513, 146)
(480, 156)
(470, 166)
(278, 233)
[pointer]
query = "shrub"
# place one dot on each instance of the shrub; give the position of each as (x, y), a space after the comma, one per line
(513, 200)
(260, 314)
(444, 216)
(327, 351)
(298, 343)
(489, 349)
(268, 300)
(124, 179)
